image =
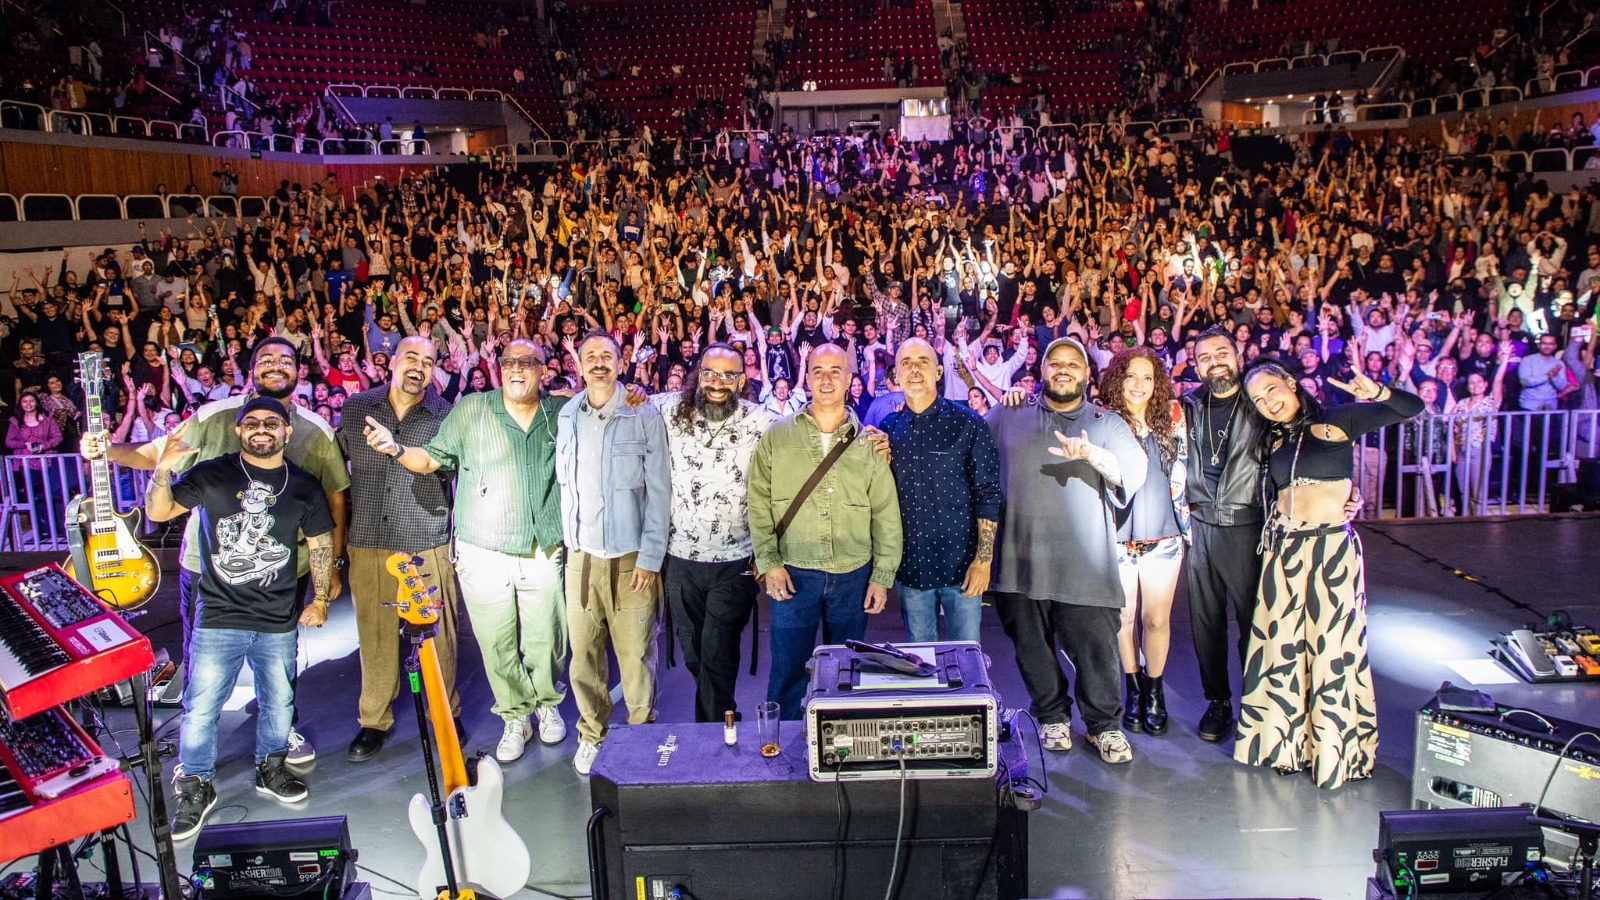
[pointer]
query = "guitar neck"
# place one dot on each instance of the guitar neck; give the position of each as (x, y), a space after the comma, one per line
(101, 513)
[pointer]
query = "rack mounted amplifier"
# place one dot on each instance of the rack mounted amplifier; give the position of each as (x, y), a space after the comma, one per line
(865, 724)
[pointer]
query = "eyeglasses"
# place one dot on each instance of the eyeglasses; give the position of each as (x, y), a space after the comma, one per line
(519, 363)
(272, 424)
(709, 375)
(276, 362)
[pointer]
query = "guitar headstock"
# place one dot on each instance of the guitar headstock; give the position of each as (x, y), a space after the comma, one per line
(91, 371)
(413, 599)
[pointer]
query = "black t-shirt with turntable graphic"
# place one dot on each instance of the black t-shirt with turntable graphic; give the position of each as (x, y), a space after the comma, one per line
(249, 522)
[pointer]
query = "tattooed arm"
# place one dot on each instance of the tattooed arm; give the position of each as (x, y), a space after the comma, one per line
(977, 580)
(321, 548)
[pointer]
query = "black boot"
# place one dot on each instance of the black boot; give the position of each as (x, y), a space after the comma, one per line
(1133, 707)
(1155, 704)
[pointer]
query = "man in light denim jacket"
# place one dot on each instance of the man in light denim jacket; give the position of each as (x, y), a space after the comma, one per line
(615, 472)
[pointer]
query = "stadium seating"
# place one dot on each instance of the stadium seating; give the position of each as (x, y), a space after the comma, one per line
(846, 42)
(1077, 60)
(709, 40)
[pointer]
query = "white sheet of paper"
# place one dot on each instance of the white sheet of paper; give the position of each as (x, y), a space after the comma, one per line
(1482, 671)
(895, 680)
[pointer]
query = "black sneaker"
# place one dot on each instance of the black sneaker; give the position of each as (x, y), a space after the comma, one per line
(274, 779)
(193, 799)
(1217, 723)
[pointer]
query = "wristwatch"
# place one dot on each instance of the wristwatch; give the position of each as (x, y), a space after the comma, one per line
(323, 600)
(340, 562)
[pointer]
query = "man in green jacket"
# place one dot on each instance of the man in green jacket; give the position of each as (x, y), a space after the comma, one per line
(835, 561)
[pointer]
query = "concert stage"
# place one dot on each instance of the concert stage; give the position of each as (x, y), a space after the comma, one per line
(1182, 820)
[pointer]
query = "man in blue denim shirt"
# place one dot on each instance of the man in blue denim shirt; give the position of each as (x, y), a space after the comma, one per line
(947, 472)
(615, 472)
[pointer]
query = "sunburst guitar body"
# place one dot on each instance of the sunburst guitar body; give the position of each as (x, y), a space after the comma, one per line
(120, 570)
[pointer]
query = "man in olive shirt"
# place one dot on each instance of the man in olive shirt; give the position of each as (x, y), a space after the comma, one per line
(838, 557)
(501, 445)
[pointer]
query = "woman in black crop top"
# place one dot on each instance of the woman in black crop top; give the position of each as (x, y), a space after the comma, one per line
(1308, 698)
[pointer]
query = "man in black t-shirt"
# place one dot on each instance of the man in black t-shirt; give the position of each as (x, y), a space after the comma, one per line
(251, 506)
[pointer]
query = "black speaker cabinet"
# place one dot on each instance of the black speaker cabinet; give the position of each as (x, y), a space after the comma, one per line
(676, 809)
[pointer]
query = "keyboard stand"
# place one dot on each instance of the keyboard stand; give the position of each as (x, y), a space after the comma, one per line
(149, 760)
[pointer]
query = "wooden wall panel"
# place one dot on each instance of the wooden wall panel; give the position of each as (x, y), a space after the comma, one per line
(27, 168)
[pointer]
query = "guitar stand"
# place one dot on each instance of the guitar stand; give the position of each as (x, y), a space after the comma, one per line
(416, 635)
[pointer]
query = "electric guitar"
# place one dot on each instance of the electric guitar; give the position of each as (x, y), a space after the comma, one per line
(487, 854)
(121, 571)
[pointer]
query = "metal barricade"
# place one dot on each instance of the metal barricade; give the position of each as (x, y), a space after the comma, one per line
(1502, 463)
(35, 493)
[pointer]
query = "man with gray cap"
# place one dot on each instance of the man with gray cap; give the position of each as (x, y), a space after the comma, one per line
(1067, 468)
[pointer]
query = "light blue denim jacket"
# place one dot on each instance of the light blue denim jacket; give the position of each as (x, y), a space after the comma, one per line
(637, 478)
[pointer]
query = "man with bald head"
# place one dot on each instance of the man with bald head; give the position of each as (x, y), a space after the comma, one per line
(947, 474)
(825, 525)
(396, 510)
(508, 553)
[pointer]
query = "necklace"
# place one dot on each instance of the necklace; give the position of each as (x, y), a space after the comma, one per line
(712, 437)
(1218, 440)
(272, 497)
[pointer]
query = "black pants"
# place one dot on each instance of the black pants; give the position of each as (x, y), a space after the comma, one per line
(1224, 574)
(1088, 634)
(711, 603)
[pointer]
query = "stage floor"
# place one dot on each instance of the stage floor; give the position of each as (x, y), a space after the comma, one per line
(1183, 820)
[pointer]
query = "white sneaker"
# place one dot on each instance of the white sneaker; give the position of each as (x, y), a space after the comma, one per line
(1113, 746)
(514, 741)
(551, 729)
(1056, 736)
(584, 761)
(300, 749)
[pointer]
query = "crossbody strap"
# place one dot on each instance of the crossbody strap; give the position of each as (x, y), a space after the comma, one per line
(811, 483)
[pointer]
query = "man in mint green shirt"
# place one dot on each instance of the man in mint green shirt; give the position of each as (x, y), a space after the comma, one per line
(509, 557)
(838, 556)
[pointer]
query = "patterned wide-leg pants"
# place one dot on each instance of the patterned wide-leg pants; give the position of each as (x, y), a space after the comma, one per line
(1308, 698)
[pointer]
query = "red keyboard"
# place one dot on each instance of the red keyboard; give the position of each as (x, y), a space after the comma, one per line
(59, 642)
(55, 784)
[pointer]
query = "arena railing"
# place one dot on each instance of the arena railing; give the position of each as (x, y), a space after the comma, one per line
(97, 207)
(36, 490)
(1503, 463)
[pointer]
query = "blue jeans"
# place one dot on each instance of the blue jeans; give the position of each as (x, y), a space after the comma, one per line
(834, 602)
(215, 657)
(920, 609)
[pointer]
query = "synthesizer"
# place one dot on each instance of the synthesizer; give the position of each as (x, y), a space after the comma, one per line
(55, 784)
(59, 642)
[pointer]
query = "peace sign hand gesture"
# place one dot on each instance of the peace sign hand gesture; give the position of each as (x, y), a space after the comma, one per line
(1359, 386)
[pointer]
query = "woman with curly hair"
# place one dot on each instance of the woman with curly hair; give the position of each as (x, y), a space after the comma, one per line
(1308, 698)
(1151, 536)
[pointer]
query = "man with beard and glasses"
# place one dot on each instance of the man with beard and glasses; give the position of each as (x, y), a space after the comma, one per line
(615, 471)
(250, 508)
(396, 511)
(210, 433)
(1068, 469)
(710, 585)
(1223, 489)
(501, 445)
(947, 472)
